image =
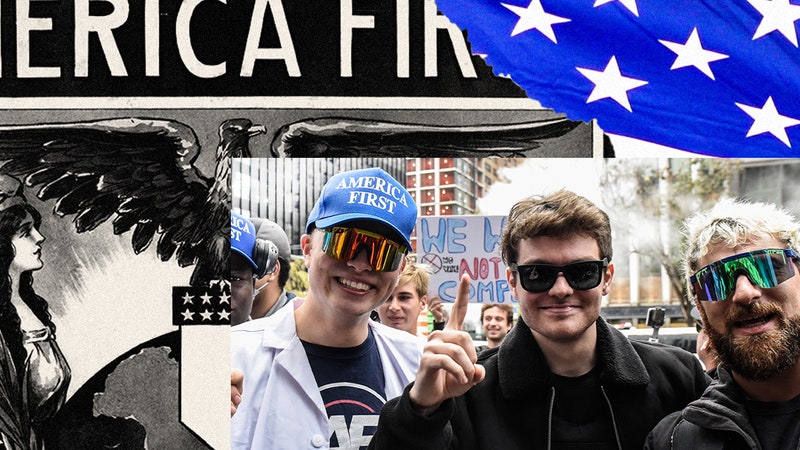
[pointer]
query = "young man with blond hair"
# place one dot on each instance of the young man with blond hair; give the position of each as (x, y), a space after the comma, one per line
(402, 309)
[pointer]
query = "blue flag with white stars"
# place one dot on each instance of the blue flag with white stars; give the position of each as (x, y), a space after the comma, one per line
(713, 77)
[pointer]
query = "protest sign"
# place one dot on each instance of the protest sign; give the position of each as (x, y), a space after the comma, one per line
(457, 245)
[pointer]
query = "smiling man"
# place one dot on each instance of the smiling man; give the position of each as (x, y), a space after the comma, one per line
(496, 321)
(741, 267)
(316, 375)
(403, 307)
(562, 378)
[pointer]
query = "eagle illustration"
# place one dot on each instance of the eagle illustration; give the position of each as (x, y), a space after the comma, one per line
(142, 172)
(351, 137)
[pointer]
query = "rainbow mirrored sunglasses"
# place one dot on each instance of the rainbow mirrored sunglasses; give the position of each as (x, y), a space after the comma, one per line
(764, 268)
(344, 244)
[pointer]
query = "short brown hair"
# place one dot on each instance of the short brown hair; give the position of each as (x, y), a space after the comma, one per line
(504, 306)
(560, 214)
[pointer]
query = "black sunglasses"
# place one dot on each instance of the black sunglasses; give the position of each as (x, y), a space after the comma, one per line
(581, 275)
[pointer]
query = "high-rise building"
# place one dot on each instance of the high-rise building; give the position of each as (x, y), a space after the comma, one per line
(452, 186)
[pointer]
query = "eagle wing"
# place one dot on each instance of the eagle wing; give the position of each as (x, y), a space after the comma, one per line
(348, 137)
(138, 170)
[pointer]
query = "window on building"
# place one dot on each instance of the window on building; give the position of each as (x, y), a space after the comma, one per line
(447, 195)
(465, 183)
(762, 183)
(772, 183)
(789, 191)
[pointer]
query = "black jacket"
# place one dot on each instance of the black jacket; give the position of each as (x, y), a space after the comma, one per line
(511, 408)
(717, 420)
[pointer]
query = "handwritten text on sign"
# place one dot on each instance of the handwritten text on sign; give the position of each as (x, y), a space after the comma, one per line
(455, 245)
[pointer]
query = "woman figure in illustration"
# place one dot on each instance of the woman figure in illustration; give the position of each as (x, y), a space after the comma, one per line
(34, 374)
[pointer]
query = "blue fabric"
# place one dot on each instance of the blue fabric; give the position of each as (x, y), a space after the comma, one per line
(365, 194)
(684, 107)
(243, 237)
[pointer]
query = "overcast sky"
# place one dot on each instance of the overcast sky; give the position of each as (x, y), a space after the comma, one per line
(543, 176)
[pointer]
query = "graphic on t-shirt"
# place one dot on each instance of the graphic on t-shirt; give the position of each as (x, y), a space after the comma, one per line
(352, 414)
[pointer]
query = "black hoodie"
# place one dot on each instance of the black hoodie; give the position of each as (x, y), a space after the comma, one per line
(512, 407)
(717, 420)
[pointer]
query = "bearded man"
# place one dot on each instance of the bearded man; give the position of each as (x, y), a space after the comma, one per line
(742, 271)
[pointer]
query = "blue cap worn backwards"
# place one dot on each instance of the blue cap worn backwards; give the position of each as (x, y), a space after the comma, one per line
(243, 237)
(365, 194)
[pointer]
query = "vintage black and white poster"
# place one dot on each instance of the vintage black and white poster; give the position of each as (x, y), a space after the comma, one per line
(118, 123)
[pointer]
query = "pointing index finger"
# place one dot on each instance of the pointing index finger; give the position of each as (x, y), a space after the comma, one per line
(459, 311)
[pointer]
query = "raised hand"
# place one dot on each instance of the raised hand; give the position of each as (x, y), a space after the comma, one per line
(436, 307)
(447, 368)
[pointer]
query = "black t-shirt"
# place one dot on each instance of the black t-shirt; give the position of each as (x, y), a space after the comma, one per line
(581, 416)
(353, 390)
(777, 423)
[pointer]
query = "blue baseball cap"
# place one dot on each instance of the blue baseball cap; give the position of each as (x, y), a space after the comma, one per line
(365, 194)
(243, 237)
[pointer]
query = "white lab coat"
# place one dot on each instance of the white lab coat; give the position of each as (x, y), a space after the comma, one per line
(281, 405)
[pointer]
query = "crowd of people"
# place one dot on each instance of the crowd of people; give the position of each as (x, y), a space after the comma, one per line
(319, 372)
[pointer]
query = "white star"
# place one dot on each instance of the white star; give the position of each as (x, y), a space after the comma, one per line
(768, 120)
(534, 17)
(224, 298)
(187, 299)
(692, 53)
(630, 4)
(611, 84)
(777, 15)
(224, 315)
(187, 315)
(206, 298)
(206, 315)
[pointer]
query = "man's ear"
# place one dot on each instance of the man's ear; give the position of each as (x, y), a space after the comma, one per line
(609, 275)
(512, 282)
(268, 278)
(306, 246)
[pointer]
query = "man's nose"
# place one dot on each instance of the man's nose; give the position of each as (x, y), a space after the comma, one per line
(360, 262)
(744, 290)
(561, 288)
